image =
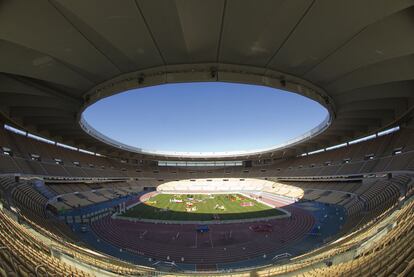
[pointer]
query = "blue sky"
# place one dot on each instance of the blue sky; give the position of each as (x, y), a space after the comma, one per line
(204, 117)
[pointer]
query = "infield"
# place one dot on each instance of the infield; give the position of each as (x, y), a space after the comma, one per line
(201, 207)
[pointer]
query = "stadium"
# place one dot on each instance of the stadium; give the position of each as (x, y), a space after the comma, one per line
(336, 199)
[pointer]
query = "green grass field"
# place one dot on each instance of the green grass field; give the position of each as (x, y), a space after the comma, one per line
(200, 207)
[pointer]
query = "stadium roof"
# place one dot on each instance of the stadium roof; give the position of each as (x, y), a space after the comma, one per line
(354, 57)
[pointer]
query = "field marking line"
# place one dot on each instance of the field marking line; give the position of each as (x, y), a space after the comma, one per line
(211, 240)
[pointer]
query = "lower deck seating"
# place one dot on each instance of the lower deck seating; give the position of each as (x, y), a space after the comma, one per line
(70, 196)
(27, 197)
(24, 255)
(392, 255)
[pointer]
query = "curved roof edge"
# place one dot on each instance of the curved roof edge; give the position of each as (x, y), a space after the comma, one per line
(207, 73)
(170, 154)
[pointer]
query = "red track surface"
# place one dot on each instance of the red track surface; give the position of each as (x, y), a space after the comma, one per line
(224, 243)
